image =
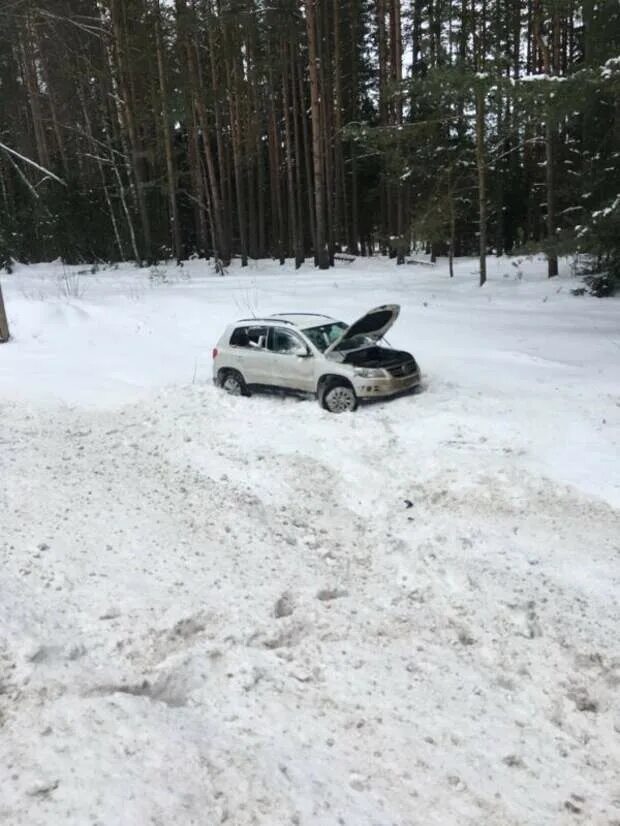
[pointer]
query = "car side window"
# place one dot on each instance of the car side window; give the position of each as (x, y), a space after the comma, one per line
(253, 337)
(285, 342)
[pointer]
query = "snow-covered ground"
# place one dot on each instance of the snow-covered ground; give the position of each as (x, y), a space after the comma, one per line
(248, 611)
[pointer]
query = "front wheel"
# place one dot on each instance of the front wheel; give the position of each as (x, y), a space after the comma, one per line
(338, 397)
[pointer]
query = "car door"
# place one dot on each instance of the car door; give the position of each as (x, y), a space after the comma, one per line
(249, 354)
(292, 362)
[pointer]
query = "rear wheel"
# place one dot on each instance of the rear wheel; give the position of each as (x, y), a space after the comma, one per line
(233, 383)
(338, 396)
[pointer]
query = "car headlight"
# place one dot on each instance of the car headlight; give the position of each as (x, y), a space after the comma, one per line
(368, 373)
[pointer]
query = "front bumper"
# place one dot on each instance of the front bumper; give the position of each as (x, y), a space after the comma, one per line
(388, 386)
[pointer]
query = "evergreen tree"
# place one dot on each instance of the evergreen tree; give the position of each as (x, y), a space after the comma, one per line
(299, 128)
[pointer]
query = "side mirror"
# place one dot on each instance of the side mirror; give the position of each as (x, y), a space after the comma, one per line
(303, 353)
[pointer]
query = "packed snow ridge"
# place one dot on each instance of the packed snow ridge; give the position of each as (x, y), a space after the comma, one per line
(250, 611)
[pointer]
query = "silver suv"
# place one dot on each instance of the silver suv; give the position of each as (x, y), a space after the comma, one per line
(315, 354)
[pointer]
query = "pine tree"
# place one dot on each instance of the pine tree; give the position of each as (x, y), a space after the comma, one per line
(296, 129)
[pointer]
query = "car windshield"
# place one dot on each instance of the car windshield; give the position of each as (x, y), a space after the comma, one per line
(326, 334)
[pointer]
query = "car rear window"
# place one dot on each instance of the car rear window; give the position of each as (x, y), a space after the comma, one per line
(249, 337)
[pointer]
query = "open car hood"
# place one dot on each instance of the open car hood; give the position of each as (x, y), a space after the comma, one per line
(374, 324)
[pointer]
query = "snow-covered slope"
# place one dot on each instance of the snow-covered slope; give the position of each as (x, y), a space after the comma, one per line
(247, 611)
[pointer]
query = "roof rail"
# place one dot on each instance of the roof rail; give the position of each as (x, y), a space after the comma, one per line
(316, 315)
(270, 320)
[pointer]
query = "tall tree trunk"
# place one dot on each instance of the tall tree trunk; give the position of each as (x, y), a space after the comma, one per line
(221, 198)
(499, 182)
(327, 125)
(197, 196)
(383, 56)
(397, 59)
(308, 162)
(552, 257)
(235, 129)
(295, 116)
(416, 34)
(221, 248)
(276, 191)
(321, 251)
(197, 182)
(29, 73)
(106, 189)
(482, 194)
(129, 122)
(117, 130)
(549, 67)
(354, 246)
(252, 153)
(53, 109)
(452, 223)
(260, 196)
(127, 109)
(354, 110)
(341, 206)
(165, 117)
(290, 172)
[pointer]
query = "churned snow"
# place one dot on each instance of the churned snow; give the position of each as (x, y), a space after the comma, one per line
(248, 611)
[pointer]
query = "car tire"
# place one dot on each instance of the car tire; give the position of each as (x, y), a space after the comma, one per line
(233, 383)
(337, 396)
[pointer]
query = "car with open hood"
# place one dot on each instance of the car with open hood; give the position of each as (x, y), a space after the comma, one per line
(309, 353)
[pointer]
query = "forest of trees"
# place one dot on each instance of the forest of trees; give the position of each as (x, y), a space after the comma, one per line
(155, 129)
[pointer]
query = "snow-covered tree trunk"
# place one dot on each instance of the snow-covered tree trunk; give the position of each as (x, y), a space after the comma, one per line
(4, 322)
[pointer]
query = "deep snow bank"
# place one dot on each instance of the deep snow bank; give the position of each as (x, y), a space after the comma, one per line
(249, 611)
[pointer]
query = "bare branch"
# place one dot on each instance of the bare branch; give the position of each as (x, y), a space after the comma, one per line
(32, 163)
